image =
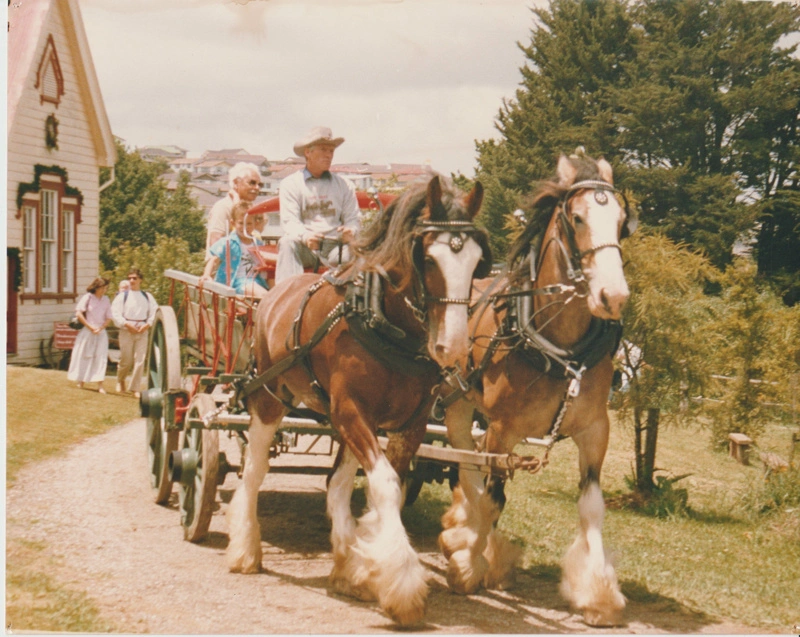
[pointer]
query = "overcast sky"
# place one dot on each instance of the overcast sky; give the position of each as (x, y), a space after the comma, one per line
(408, 81)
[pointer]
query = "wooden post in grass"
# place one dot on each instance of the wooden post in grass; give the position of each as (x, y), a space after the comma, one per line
(739, 447)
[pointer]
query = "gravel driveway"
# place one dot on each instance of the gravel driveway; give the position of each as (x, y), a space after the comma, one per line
(93, 509)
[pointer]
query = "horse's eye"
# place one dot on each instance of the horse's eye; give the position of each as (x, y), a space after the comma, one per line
(578, 221)
(429, 261)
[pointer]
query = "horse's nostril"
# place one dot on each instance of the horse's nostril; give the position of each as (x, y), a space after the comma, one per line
(604, 300)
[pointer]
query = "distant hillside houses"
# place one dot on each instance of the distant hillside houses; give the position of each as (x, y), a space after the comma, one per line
(209, 172)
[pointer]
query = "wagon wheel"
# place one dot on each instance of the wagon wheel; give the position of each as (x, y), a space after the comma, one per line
(163, 373)
(198, 486)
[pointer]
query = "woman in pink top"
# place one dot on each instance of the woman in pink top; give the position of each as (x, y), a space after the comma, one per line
(90, 352)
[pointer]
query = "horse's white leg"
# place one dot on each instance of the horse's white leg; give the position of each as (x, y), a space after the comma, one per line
(244, 547)
(468, 521)
(589, 580)
(349, 576)
(397, 578)
(500, 554)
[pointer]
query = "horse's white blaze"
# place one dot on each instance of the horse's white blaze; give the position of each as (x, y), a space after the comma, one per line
(608, 289)
(448, 340)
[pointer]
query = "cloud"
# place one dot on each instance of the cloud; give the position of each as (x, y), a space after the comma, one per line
(403, 81)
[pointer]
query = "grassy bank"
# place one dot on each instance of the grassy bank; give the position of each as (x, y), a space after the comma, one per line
(45, 415)
(724, 559)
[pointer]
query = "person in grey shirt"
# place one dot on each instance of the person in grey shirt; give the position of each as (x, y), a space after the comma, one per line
(319, 209)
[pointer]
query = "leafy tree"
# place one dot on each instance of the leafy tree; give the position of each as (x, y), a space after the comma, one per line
(137, 207)
(777, 253)
(666, 282)
(757, 344)
(696, 110)
(167, 252)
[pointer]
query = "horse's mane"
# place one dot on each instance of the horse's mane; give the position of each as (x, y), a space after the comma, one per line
(387, 242)
(538, 208)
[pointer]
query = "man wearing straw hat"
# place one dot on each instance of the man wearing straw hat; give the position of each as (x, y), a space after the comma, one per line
(319, 210)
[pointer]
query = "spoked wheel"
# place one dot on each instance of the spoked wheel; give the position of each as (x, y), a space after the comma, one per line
(163, 373)
(199, 468)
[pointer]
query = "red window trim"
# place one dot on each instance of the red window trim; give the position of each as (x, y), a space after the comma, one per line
(34, 201)
(50, 54)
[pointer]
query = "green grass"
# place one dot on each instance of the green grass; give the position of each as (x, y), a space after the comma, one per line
(45, 415)
(723, 559)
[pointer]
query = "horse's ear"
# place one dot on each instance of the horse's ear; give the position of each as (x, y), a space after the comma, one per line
(433, 198)
(474, 200)
(566, 172)
(631, 223)
(606, 172)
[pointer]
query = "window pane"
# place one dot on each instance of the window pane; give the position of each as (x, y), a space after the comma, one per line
(29, 249)
(67, 248)
(49, 203)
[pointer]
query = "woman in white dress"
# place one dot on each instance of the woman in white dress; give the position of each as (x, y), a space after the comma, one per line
(90, 352)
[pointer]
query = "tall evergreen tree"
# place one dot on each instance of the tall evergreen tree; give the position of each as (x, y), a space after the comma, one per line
(695, 102)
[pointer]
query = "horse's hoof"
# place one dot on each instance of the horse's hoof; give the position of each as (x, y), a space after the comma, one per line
(602, 617)
(341, 586)
(246, 569)
(409, 617)
(464, 575)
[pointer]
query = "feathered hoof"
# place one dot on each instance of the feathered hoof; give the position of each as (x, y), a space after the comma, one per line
(465, 572)
(455, 539)
(245, 567)
(502, 556)
(342, 586)
(603, 617)
(409, 614)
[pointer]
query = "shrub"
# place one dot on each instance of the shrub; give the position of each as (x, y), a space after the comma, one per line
(168, 252)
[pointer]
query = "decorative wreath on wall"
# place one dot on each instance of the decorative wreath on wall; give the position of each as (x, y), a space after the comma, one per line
(51, 132)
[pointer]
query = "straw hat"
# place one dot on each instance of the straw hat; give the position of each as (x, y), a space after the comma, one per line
(314, 136)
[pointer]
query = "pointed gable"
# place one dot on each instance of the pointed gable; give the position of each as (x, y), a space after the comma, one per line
(49, 78)
(27, 35)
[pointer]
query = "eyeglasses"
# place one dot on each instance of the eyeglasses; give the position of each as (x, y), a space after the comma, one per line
(253, 182)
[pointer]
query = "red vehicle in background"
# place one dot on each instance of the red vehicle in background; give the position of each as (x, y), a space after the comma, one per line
(267, 255)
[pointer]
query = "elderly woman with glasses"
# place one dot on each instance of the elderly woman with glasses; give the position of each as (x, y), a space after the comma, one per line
(245, 184)
(134, 312)
(90, 352)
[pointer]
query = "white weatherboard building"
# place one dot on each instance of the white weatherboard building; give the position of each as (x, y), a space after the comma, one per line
(59, 137)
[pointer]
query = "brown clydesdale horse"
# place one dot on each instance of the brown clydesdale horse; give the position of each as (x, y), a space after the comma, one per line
(543, 338)
(419, 256)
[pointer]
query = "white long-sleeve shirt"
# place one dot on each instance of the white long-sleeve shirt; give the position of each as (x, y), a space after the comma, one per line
(317, 205)
(139, 307)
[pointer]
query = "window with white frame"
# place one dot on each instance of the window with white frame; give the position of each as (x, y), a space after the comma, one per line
(67, 251)
(48, 256)
(28, 249)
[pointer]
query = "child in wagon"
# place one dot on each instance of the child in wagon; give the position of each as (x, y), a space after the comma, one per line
(230, 258)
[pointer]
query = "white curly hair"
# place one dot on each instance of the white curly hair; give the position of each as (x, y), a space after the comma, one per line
(241, 169)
